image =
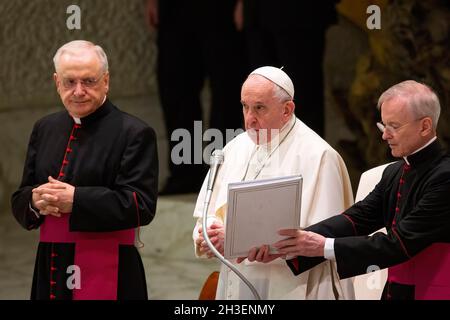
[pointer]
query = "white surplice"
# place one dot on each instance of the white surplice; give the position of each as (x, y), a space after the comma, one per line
(326, 192)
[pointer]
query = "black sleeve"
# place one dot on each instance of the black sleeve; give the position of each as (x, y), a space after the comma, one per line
(363, 218)
(21, 199)
(131, 202)
(332, 227)
(427, 222)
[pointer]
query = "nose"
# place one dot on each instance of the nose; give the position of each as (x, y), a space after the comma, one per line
(386, 135)
(79, 89)
(249, 117)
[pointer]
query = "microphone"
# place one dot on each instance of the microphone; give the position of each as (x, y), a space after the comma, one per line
(215, 161)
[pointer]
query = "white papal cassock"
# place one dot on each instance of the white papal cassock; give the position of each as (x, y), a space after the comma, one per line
(326, 192)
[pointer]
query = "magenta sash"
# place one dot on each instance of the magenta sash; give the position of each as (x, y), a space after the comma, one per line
(96, 254)
(428, 271)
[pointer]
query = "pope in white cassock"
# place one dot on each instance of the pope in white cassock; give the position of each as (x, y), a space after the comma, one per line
(277, 144)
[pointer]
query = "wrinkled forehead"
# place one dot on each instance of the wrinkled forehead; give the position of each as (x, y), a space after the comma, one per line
(396, 108)
(80, 60)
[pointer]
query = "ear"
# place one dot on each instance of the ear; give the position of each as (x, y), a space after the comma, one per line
(55, 78)
(106, 81)
(288, 109)
(427, 126)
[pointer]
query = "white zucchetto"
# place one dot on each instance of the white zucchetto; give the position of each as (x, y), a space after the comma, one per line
(278, 77)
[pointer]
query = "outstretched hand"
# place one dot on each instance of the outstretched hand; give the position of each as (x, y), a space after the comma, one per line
(301, 243)
(297, 243)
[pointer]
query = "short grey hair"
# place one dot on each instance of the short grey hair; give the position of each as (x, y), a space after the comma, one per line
(420, 99)
(81, 44)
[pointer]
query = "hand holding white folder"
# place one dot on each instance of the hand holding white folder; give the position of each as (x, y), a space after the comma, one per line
(257, 210)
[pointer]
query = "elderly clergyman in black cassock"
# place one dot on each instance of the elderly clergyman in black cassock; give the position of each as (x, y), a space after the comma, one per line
(90, 179)
(412, 201)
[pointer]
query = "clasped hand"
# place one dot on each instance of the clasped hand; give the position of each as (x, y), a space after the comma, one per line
(53, 198)
(216, 236)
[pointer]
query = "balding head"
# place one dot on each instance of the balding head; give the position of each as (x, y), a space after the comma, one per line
(76, 48)
(421, 100)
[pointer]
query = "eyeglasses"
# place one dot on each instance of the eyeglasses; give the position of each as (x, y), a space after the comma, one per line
(392, 129)
(70, 83)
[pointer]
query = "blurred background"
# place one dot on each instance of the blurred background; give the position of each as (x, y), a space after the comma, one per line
(346, 64)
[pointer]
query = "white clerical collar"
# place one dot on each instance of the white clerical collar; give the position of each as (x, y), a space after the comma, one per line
(423, 147)
(280, 136)
(77, 120)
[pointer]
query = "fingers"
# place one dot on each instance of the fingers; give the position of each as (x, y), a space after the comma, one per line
(52, 184)
(214, 240)
(41, 200)
(262, 252)
(216, 225)
(288, 232)
(305, 243)
(48, 189)
(53, 180)
(198, 241)
(45, 207)
(293, 234)
(205, 249)
(285, 243)
(49, 198)
(252, 254)
(202, 242)
(216, 243)
(240, 259)
(50, 210)
(41, 204)
(213, 232)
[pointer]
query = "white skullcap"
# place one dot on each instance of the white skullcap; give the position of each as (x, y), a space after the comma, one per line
(278, 77)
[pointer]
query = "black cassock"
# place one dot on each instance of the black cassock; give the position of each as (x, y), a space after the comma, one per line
(411, 200)
(111, 159)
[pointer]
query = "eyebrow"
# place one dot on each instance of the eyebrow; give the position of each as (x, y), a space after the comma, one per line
(390, 122)
(257, 103)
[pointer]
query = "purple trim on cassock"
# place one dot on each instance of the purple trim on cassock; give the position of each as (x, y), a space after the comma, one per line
(96, 254)
(428, 271)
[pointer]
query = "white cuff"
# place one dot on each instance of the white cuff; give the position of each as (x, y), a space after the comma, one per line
(34, 211)
(328, 250)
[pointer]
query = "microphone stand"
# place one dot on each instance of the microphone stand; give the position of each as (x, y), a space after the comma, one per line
(214, 250)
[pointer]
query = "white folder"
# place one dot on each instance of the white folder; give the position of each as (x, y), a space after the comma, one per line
(257, 210)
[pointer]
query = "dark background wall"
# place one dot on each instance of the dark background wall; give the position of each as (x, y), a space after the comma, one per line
(359, 64)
